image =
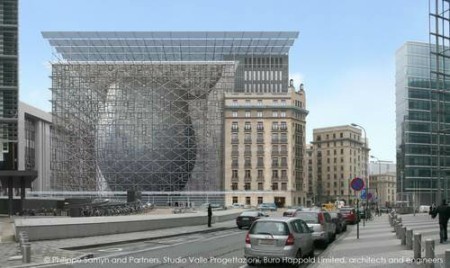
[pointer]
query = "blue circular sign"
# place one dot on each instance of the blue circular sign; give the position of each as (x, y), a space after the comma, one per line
(357, 184)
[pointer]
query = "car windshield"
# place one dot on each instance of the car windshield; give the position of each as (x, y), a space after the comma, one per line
(269, 227)
(250, 213)
(308, 217)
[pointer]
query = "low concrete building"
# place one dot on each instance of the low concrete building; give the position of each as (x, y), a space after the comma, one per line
(34, 144)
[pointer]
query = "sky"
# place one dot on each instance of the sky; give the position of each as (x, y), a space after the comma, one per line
(344, 56)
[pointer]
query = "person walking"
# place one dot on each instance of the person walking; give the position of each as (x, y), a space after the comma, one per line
(444, 213)
(209, 215)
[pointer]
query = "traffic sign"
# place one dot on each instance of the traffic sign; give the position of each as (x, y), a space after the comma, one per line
(357, 184)
(363, 194)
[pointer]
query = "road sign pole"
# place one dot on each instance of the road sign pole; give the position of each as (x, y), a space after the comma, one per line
(357, 218)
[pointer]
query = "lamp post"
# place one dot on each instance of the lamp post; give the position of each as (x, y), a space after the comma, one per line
(367, 171)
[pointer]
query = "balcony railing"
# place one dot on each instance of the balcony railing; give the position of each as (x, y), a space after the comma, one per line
(283, 140)
(234, 129)
(248, 129)
(260, 140)
(283, 152)
(275, 165)
(260, 152)
(248, 165)
(283, 128)
(259, 129)
(284, 165)
(274, 153)
(234, 141)
(234, 179)
(234, 165)
(234, 153)
(247, 179)
(260, 165)
(275, 140)
(247, 153)
(247, 141)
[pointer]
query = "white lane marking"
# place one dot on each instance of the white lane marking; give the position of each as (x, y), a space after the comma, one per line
(111, 249)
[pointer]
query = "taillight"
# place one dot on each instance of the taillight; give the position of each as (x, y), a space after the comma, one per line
(321, 218)
(290, 240)
(247, 239)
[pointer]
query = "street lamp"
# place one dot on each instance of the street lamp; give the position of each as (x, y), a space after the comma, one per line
(367, 170)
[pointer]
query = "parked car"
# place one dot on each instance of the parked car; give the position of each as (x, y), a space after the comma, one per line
(324, 230)
(237, 205)
(267, 206)
(275, 239)
(291, 212)
(349, 215)
(248, 217)
(338, 219)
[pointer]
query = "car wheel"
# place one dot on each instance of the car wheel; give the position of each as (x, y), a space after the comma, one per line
(298, 257)
(239, 227)
(251, 261)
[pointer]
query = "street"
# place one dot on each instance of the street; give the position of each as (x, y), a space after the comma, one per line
(216, 249)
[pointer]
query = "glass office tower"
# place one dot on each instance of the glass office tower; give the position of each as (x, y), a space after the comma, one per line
(423, 125)
(8, 84)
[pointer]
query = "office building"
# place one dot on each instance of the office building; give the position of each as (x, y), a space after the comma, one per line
(9, 86)
(422, 137)
(145, 110)
(339, 154)
(265, 147)
(34, 144)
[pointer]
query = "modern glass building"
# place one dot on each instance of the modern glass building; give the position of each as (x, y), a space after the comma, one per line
(8, 84)
(145, 110)
(423, 124)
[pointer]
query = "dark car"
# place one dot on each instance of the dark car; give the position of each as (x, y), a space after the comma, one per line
(248, 217)
(291, 212)
(338, 219)
(349, 215)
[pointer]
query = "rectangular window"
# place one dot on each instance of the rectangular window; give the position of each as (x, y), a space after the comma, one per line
(260, 186)
(275, 186)
(259, 114)
(283, 186)
(247, 113)
(235, 114)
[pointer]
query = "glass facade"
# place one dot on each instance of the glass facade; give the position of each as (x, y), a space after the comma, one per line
(8, 83)
(423, 122)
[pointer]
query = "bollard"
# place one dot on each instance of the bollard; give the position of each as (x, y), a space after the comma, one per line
(429, 252)
(26, 253)
(447, 258)
(400, 219)
(409, 236)
(391, 222)
(417, 246)
(403, 236)
(399, 228)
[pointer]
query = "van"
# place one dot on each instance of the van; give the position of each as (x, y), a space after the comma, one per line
(424, 209)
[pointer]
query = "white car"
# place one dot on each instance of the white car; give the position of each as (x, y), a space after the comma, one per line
(237, 205)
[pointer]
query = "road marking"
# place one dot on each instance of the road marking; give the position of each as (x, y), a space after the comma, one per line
(111, 249)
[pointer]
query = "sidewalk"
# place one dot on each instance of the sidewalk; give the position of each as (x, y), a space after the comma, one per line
(67, 248)
(377, 246)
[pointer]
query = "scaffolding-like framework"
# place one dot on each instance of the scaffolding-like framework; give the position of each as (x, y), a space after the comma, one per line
(439, 39)
(144, 110)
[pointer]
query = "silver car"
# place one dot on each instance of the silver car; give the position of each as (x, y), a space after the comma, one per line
(320, 221)
(278, 240)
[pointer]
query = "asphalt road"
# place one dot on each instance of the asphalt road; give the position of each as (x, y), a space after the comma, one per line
(217, 249)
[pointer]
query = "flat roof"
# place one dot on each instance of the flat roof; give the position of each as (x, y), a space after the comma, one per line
(167, 46)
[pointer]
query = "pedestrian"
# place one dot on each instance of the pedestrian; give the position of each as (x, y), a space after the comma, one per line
(444, 213)
(209, 215)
